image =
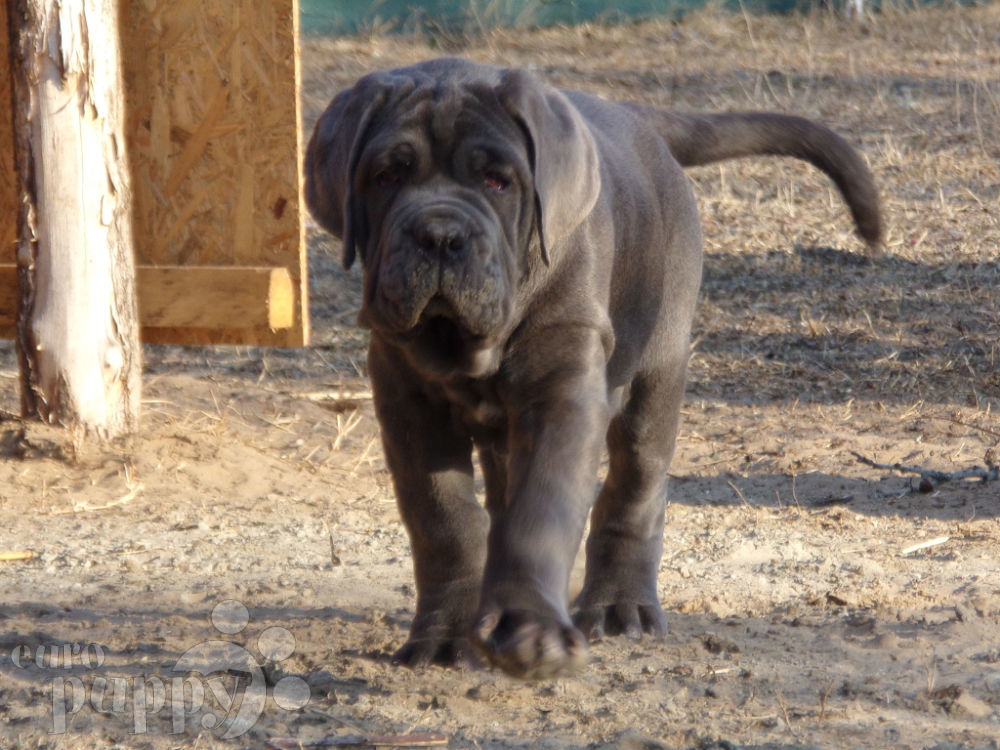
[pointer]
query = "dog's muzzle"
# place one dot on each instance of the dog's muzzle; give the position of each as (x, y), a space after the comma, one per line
(443, 284)
(446, 250)
(442, 234)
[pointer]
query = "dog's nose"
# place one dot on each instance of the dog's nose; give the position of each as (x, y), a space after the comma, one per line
(441, 235)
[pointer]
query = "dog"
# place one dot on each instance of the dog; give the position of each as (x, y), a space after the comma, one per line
(531, 263)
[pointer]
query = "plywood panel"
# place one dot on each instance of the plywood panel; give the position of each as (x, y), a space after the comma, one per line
(8, 300)
(8, 170)
(214, 139)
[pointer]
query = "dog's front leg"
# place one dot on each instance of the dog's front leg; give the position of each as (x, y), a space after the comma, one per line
(431, 465)
(558, 415)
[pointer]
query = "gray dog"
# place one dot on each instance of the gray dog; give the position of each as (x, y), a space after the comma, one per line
(531, 263)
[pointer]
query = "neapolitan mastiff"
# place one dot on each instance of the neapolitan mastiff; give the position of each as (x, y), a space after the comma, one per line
(531, 259)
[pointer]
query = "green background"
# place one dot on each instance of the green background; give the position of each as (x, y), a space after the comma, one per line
(351, 16)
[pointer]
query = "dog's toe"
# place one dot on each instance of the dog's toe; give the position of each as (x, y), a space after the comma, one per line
(630, 619)
(457, 653)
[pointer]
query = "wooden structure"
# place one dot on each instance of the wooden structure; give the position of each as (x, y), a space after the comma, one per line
(78, 323)
(214, 140)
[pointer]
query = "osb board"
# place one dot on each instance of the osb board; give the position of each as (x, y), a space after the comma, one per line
(214, 140)
(8, 171)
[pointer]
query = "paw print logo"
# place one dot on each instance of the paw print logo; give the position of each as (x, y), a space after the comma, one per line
(218, 660)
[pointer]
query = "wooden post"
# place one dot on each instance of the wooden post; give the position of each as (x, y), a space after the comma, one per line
(77, 324)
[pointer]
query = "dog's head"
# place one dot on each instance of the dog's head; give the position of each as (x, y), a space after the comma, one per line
(456, 183)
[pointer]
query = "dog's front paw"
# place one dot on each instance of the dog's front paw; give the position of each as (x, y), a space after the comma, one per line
(629, 618)
(530, 646)
(423, 650)
(619, 595)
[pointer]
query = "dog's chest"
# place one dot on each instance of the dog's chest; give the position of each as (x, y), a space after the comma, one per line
(477, 407)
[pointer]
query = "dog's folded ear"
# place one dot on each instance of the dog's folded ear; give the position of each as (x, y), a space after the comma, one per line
(332, 158)
(564, 157)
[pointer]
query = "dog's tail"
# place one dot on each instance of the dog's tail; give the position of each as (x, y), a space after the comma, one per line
(703, 139)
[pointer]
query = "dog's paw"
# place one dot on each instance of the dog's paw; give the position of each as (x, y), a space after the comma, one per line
(530, 646)
(454, 652)
(631, 619)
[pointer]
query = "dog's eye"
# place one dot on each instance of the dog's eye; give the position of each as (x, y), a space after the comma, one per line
(496, 182)
(392, 175)
(388, 178)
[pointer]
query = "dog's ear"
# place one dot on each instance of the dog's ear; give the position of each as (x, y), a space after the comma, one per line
(563, 154)
(332, 158)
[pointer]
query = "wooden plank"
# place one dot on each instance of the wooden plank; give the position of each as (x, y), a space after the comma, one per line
(214, 137)
(231, 301)
(215, 297)
(203, 336)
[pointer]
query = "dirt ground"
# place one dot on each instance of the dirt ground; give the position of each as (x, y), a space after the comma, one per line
(242, 567)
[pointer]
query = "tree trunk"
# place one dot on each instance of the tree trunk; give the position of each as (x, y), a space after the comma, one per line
(77, 326)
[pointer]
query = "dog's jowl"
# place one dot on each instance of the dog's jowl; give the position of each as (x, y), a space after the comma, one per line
(531, 264)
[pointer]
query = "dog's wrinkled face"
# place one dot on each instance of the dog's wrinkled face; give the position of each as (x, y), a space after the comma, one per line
(443, 178)
(446, 224)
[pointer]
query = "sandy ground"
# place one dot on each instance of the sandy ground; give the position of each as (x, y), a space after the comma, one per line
(241, 570)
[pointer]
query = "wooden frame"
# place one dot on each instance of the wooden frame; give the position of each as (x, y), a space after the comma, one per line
(214, 139)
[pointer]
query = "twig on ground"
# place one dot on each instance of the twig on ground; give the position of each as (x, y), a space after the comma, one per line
(832, 500)
(931, 478)
(336, 400)
(16, 555)
(739, 494)
(421, 739)
(784, 712)
(924, 545)
(822, 704)
(955, 420)
(345, 427)
(334, 557)
(83, 507)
